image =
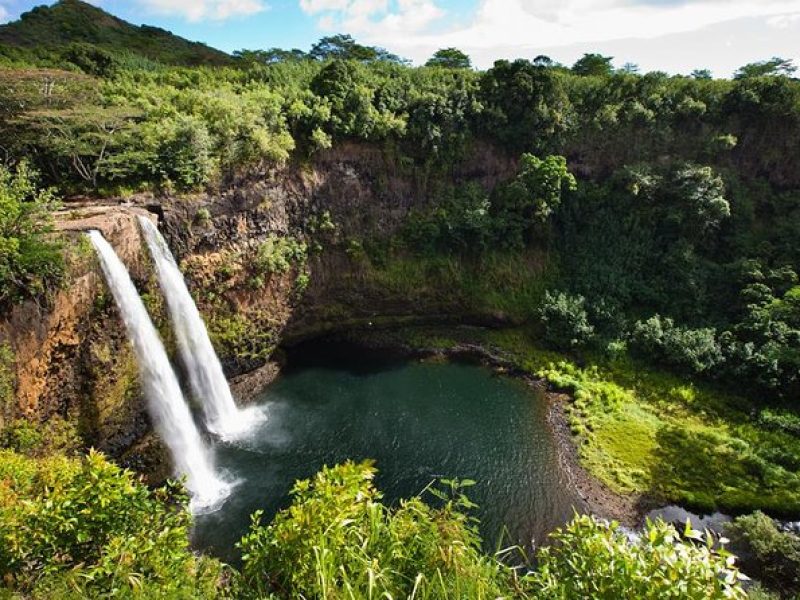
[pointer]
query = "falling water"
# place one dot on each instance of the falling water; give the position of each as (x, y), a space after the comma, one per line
(208, 383)
(169, 410)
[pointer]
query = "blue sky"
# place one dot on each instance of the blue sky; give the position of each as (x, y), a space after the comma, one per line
(671, 35)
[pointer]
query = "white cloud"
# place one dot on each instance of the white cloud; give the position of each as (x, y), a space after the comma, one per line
(373, 18)
(4, 14)
(202, 10)
(513, 28)
(538, 22)
(783, 21)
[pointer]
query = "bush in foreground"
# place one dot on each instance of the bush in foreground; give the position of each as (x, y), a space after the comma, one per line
(337, 540)
(87, 529)
(592, 559)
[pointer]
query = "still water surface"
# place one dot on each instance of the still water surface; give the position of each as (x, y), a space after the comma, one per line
(419, 421)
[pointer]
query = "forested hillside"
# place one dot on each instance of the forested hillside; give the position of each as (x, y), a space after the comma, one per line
(674, 210)
(633, 237)
(75, 32)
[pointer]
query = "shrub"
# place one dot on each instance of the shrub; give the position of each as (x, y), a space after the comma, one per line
(337, 540)
(781, 421)
(278, 254)
(592, 559)
(29, 260)
(86, 528)
(39, 439)
(768, 554)
(693, 350)
(565, 322)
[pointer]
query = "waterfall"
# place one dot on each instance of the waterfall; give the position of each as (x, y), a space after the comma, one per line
(166, 403)
(207, 381)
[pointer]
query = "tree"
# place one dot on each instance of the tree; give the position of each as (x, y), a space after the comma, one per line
(270, 56)
(352, 113)
(450, 58)
(700, 194)
(771, 555)
(525, 106)
(91, 59)
(565, 322)
(701, 74)
(776, 66)
(344, 47)
(659, 339)
(543, 180)
(531, 197)
(593, 64)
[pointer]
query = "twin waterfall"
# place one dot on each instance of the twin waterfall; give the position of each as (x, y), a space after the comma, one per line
(168, 407)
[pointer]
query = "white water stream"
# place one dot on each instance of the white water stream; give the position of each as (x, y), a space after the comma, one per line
(166, 403)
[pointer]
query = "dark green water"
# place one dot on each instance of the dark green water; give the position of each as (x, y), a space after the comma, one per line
(419, 421)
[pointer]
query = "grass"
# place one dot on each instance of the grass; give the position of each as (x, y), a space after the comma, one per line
(653, 433)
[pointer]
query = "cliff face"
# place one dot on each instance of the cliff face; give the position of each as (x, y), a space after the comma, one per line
(72, 358)
(266, 259)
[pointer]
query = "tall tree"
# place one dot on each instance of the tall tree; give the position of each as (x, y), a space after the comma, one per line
(766, 68)
(701, 74)
(451, 58)
(343, 46)
(593, 64)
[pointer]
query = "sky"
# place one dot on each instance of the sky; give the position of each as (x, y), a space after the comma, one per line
(675, 36)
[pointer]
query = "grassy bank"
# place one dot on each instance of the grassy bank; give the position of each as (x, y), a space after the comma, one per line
(648, 432)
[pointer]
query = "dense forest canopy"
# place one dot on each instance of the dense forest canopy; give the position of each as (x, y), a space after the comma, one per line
(674, 192)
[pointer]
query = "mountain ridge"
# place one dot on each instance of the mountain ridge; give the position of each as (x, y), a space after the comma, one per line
(69, 22)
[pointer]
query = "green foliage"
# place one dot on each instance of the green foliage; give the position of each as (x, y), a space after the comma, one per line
(461, 222)
(590, 559)
(268, 57)
(774, 66)
(531, 197)
(769, 555)
(594, 65)
(30, 260)
(185, 152)
(344, 47)
(40, 439)
(7, 383)
(343, 87)
(782, 421)
(564, 321)
(449, 58)
(85, 528)
(695, 350)
(277, 255)
(526, 107)
(337, 540)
